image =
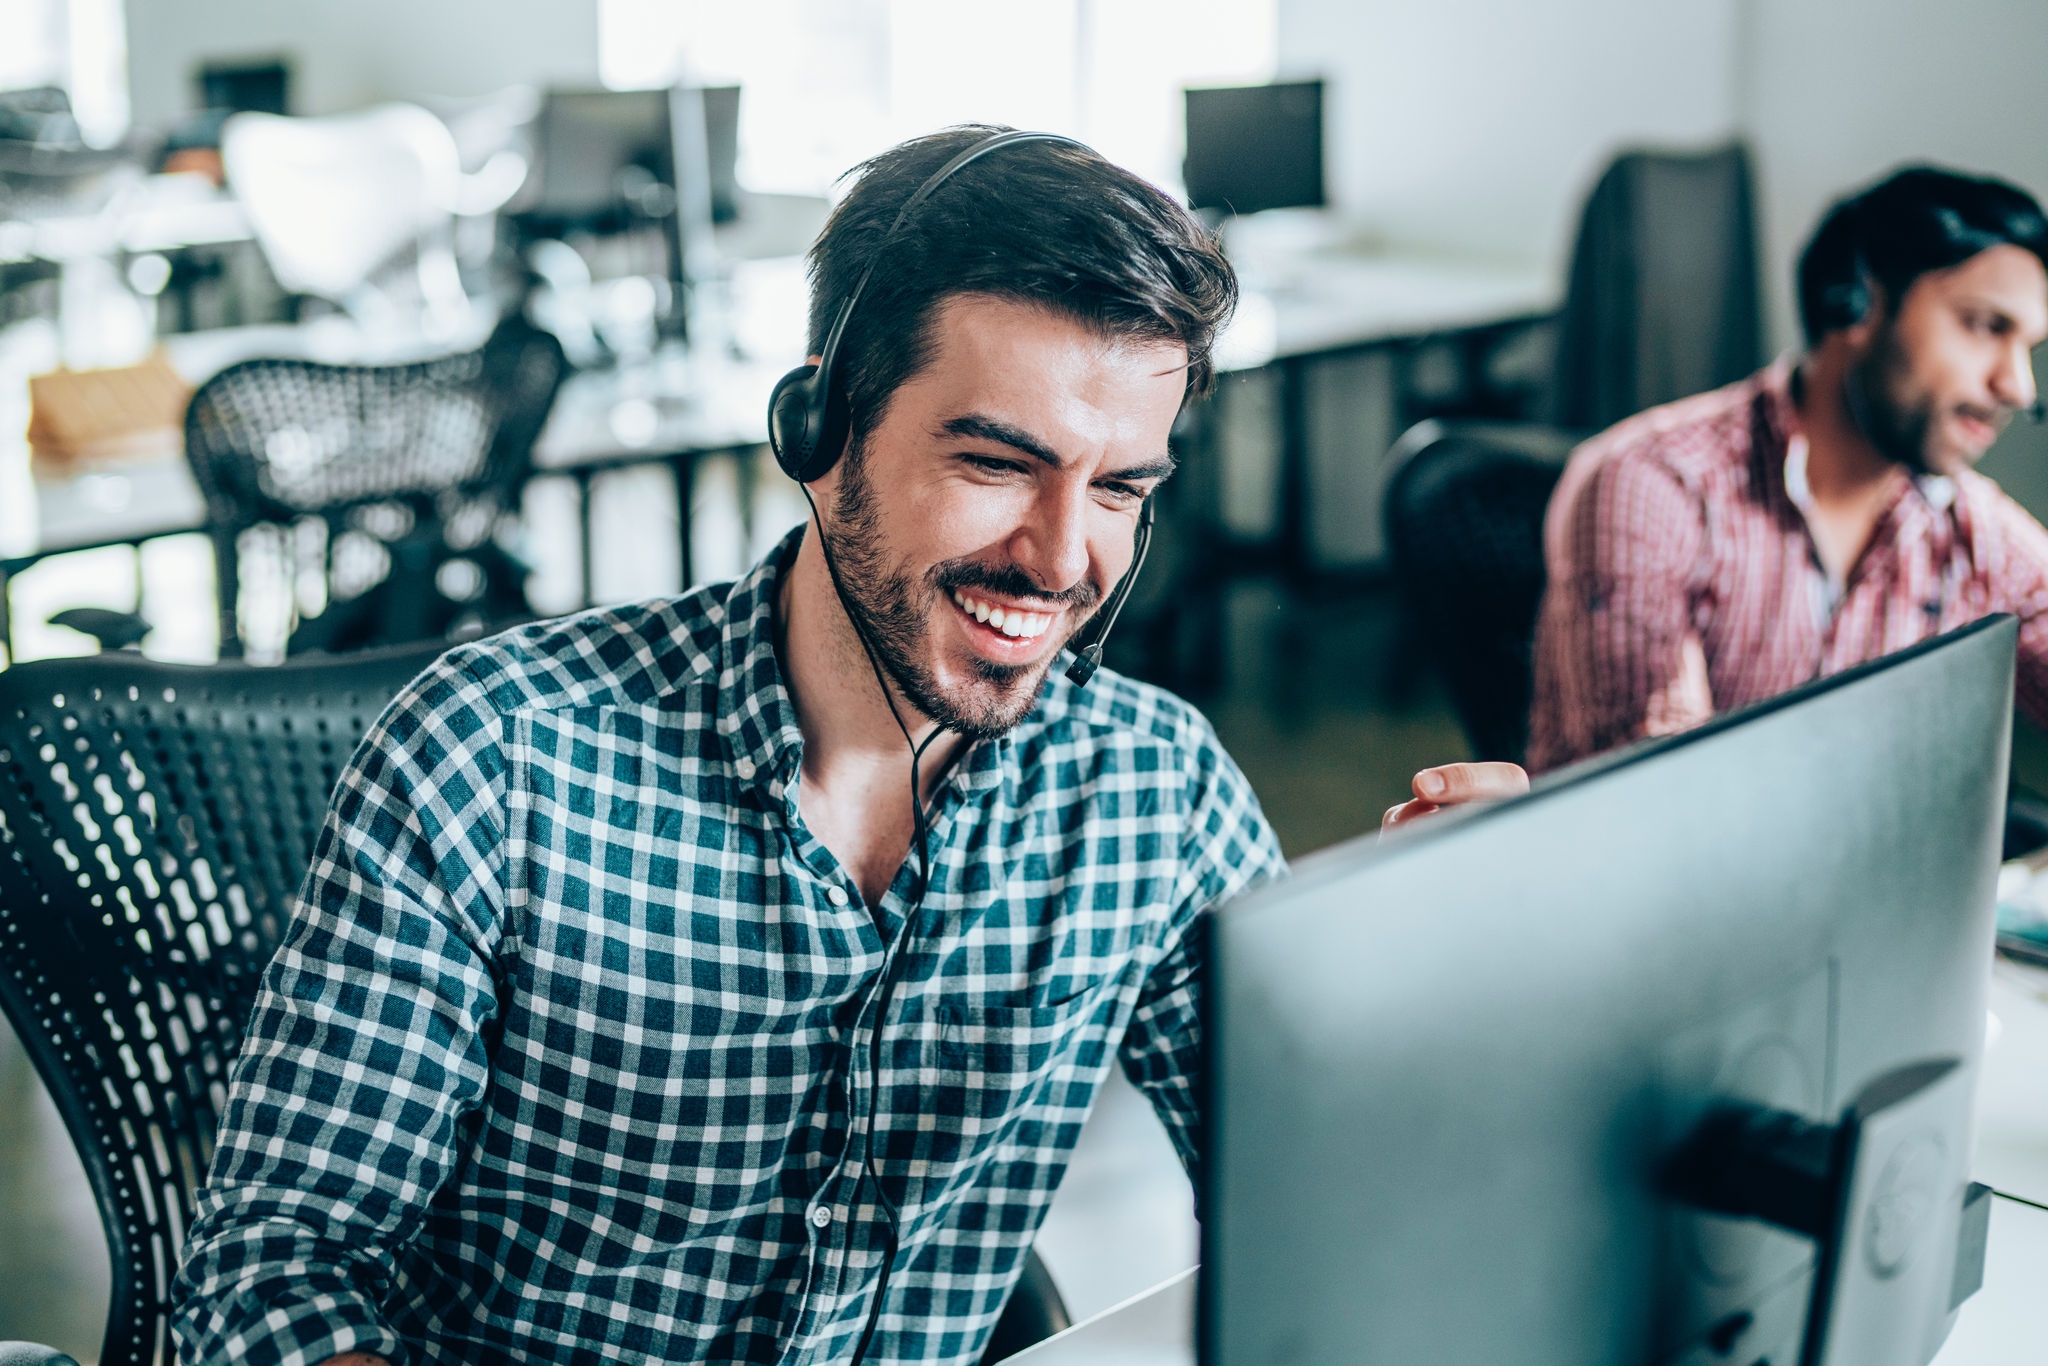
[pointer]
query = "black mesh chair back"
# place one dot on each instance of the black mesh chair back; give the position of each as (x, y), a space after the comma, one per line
(1464, 521)
(1663, 300)
(369, 502)
(155, 822)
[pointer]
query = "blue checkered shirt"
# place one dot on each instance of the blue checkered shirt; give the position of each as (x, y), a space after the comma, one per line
(558, 1058)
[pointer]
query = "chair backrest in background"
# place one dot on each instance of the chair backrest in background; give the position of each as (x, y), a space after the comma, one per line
(1464, 520)
(155, 822)
(1663, 300)
(333, 201)
(401, 466)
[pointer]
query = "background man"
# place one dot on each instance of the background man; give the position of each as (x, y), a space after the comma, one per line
(1729, 547)
(728, 978)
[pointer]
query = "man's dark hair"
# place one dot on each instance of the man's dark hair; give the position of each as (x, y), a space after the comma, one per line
(1917, 220)
(1045, 223)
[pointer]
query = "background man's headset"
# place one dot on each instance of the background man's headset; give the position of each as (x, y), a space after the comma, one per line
(809, 420)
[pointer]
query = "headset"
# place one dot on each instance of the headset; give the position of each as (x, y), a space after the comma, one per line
(809, 420)
(809, 417)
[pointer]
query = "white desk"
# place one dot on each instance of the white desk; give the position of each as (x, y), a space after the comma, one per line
(2003, 1324)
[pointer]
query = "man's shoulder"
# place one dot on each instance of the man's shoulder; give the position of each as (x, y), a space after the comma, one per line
(611, 656)
(1113, 709)
(1692, 440)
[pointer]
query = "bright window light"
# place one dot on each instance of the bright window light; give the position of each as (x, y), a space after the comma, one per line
(830, 82)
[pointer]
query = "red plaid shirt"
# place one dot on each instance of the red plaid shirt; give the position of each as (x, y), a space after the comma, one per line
(1683, 580)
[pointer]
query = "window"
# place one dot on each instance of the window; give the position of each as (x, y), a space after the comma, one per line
(829, 82)
(75, 44)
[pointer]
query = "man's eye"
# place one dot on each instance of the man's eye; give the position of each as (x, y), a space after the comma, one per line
(993, 464)
(1126, 493)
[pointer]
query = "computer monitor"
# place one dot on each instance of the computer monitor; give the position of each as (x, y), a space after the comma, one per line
(1254, 147)
(615, 161)
(722, 150)
(1488, 1091)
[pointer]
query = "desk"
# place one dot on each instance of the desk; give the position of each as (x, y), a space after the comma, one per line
(2001, 1325)
(1299, 311)
(675, 409)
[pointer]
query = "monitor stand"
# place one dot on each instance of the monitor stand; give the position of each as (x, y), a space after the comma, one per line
(1874, 1191)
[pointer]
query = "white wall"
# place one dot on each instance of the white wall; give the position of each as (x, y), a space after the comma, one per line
(1479, 125)
(1836, 92)
(349, 53)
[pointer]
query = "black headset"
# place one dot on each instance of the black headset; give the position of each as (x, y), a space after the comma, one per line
(809, 418)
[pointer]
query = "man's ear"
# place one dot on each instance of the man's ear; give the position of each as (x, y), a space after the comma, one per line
(1876, 312)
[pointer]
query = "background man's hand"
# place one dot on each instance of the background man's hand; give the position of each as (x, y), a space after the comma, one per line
(1457, 785)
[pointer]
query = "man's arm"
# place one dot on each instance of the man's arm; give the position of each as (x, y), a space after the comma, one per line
(1226, 846)
(364, 1049)
(2020, 586)
(1617, 653)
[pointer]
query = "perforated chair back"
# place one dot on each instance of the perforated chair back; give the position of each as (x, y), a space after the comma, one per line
(355, 475)
(1464, 520)
(155, 822)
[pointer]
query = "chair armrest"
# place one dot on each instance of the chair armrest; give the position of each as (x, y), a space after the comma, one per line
(33, 1354)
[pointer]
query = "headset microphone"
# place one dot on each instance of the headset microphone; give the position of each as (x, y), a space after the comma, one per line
(1088, 645)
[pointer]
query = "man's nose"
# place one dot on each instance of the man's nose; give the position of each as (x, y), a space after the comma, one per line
(1052, 545)
(2014, 381)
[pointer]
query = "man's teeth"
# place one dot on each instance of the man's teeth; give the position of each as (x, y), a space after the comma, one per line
(1011, 622)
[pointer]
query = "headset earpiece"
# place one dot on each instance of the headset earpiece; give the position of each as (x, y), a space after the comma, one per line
(808, 420)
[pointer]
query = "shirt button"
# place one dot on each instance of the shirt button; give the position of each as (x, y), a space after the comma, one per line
(820, 1216)
(745, 768)
(835, 894)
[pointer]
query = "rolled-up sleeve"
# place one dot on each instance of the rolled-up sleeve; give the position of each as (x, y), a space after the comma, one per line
(1617, 654)
(1227, 846)
(366, 1047)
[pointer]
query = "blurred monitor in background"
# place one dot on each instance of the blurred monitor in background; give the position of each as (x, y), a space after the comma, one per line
(722, 149)
(619, 168)
(262, 87)
(1254, 147)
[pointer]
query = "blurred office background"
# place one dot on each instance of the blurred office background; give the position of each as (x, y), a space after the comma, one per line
(331, 324)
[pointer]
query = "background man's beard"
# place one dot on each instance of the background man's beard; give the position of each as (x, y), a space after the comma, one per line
(1897, 429)
(893, 611)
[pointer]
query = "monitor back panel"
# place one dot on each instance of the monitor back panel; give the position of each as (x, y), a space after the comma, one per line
(1445, 1069)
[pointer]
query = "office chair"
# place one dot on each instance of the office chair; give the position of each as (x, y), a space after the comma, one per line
(367, 502)
(1663, 298)
(155, 822)
(336, 202)
(1464, 522)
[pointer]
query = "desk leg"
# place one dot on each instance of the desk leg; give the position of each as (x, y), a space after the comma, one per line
(1296, 556)
(683, 465)
(586, 550)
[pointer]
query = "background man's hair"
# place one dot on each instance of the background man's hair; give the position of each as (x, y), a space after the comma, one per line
(1039, 222)
(1919, 219)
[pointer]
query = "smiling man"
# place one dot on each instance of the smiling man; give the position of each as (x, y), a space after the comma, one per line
(634, 1009)
(1730, 547)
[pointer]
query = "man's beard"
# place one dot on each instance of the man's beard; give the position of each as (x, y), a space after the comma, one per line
(1898, 428)
(892, 610)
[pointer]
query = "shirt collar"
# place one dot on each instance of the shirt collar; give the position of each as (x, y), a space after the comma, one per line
(1937, 491)
(757, 716)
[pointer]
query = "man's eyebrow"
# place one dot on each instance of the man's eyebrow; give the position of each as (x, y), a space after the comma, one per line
(1159, 467)
(986, 428)
(1003, 434)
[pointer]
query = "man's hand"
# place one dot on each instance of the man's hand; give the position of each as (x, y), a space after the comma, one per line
(1457, 785)
(355, 1359)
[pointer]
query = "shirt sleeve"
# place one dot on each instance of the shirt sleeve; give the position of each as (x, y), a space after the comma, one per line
(1227, 846)
(1617, 653)
(365, 1049)
(2021, 588)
